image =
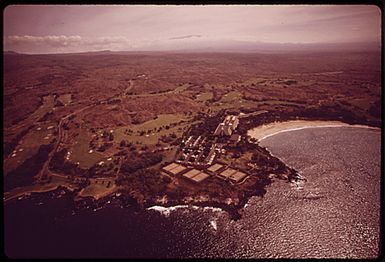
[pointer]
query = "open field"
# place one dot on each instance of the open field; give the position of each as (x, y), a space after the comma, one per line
(149, 132)
(80, 152)
(65, 99)
(41, 134)
(204, 96)
(98, 188)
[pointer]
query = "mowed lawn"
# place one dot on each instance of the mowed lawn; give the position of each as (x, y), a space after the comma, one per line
(232, 100)
(97, 189)
(80, 151)
(46, 107)
(152, 137)
(29, 145)
(204, 96)
(65, 99)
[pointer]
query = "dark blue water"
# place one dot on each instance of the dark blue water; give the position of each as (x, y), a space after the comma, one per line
(335, 214)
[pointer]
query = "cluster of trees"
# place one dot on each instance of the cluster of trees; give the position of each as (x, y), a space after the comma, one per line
(168, 139)
(104, 147)
(108, 135)
(59, 164)
(47, 116)
(142, 161)
(241, 147)
(167, 127)
(208, 126)
(332, 112)
(147, 181)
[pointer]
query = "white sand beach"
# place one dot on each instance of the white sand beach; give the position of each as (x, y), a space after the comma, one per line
(264, 131)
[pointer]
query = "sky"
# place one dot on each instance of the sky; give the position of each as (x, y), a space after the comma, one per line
(80, 28)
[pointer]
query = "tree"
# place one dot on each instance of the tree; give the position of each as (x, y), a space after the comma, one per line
(122, 143)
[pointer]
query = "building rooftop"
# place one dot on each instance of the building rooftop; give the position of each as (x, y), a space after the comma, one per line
(174, 168)
(227, 126)
(227, 173)
(238, 176)
(200, 177)
(190, 174)
(214, 167)
(170, 166)
(178, 169)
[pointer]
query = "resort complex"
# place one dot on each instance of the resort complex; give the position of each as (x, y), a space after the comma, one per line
(200, 157)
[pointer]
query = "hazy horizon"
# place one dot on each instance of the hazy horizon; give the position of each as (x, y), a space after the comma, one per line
(71, 29)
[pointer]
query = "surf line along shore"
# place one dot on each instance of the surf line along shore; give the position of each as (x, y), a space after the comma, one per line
(267, 130)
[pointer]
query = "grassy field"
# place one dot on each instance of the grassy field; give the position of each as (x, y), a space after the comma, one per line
(97, 189)
(161, 120)
(204, 96)
(46, 107)
(80, 152)
(277, 102)
(65, 99)
(181, 88)
(233, 101)
(29, 145)
(152, 137)
(231, 97)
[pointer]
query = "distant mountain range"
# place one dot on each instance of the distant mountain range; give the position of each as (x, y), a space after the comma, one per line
(11, 53)
(245, 46)
(240, 46)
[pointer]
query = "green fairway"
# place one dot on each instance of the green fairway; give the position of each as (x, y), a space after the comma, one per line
(204, 96)
(65, 98)
(29, 145)
(151, 129)
(80, 152)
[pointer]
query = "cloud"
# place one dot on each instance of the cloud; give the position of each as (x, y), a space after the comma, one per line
(50, 40)
(64, 43)
(184, 37)
(75, 43)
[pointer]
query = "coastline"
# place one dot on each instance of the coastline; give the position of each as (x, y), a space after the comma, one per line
(260, 132)
(265, 131)
(34, 189)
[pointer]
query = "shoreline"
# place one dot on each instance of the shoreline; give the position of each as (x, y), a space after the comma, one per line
(260, 132)
(264, 131)
(7, 196)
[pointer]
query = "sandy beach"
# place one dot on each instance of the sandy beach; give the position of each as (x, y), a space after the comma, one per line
(264, 131)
